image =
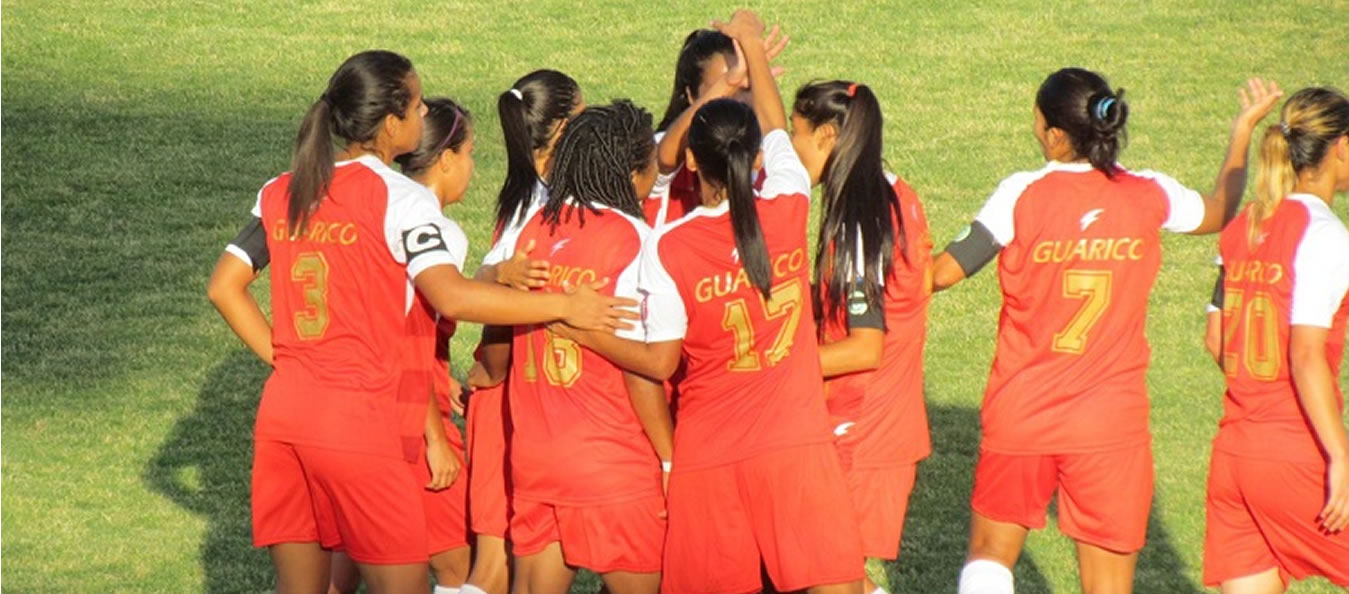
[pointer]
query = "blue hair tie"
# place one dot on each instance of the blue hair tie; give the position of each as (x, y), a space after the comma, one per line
(1103, 107)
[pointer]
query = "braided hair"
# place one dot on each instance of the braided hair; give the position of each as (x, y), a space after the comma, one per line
(594, 161)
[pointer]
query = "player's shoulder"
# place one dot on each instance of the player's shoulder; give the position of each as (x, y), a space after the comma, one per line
(1322, 226)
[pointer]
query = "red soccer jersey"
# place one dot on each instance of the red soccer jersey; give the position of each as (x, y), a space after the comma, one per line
(1080, 254)
(576, 439)
(1298, 275)
(753, 371)
(340, 298)
(425, 372)
(879, 415)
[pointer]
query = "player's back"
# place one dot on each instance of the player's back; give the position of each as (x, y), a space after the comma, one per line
(576, 438)
(752, 381)
(339, 301)
(1262, 295)
(1068, 374)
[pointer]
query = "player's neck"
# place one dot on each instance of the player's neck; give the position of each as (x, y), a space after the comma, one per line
(354, 151)
(1316, 183)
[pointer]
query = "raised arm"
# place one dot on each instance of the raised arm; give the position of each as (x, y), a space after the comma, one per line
(747, 30)
(1257, 100)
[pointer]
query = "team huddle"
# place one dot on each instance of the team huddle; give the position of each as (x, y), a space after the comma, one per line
(674, 392)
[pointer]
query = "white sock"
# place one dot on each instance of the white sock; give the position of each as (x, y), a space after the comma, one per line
(982, 576)
(439, 589)
(879, 590)
(471, 589)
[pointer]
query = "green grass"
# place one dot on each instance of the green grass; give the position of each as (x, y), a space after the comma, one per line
(135, 135)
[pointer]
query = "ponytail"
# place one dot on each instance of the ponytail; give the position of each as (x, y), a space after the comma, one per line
(859, 205)
(724, 138)
(1311, 121)
(532, 113)
(364, 90)
(1080, 103)
(1273, 181)
(311, 165)
(749, 240)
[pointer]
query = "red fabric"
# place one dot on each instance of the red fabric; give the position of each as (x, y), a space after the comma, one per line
(489, 487)
(576, 439)
(1262, 417)
(1054, 390)
(880, 497)
(1262, 514)
(624, 536)
(885, 406)
(334, 383)
(1104, 497)
(735, 405)
(787, 509)
(367, 505)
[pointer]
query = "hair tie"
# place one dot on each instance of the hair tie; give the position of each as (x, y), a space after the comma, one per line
(453, 128)
(518, 94)
(1103, 107)
(852, 89)
(1287, 131)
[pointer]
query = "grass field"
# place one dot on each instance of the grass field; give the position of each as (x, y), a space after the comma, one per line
(135, 135)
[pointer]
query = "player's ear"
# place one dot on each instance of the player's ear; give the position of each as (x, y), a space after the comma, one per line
(825, 135)
(690, 163)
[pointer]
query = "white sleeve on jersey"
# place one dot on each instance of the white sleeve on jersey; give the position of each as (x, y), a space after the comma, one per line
(663, 313)
(786, 175)
(997, 213)
(1320, 271)
(1186, 206)
(626, 285)
(504, 248)
(417, 232)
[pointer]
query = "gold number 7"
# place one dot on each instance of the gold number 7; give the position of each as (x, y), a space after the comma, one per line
(1093, 287)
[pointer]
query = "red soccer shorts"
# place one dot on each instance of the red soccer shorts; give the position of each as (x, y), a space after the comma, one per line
(371, 506)
(788, 509)
(880, 496)
(1262, 514)
(446, 509)
(1104, 497)
(626, 536)
(488, 476)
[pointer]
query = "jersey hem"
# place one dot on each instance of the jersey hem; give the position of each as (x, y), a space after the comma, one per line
(395, 452)
(1078, 449)
(608, 500)
(681, 465)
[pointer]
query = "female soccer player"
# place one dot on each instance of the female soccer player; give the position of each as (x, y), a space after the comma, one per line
(533, 112)
(586, 484)
(1278, 490)
(443, 162)
(754, 479)
(1066, 405)
(872, 263)
(343, 240)
(709, 67)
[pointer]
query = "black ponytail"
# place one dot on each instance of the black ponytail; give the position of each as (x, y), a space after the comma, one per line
(531, 113)
(860, 205)
(366, 88)
(725, 140)
(1080, 103)
(595, 159)
(699, 47)
(445, 127)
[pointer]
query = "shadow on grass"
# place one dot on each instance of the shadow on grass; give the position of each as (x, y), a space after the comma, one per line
(204, 467)
(936, 530)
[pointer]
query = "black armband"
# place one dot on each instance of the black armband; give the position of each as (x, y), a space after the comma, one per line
(1218, 289)
(251, 245)
(862, 314)
(973, 248)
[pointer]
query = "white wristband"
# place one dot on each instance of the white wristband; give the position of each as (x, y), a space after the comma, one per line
(665, 465)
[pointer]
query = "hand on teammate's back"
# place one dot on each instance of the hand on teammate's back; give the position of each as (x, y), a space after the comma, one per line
(520, 272)
(589, 310)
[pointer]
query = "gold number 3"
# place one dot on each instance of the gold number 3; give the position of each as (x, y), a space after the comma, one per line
(311, 270)
(785, 299)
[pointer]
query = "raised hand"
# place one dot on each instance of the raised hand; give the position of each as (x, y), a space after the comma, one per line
(1257, 98)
